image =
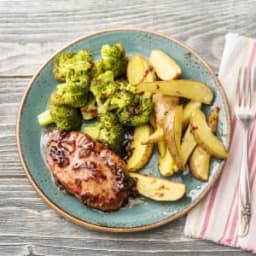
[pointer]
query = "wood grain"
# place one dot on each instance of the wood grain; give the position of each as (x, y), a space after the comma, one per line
(30, 32)
(11, 91)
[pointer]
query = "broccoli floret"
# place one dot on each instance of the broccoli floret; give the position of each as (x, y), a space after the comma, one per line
(108, 131)
(97, 68)
(121, 99)
(114, 59)
(66, 118)
(112, 52)
(113, 137)
(123, 85)
(73, 94)
(103, 88)
(106, 77)
(108, 120)
(137, 113)
(72, 65)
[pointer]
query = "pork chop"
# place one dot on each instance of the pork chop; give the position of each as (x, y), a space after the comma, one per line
(88, 170)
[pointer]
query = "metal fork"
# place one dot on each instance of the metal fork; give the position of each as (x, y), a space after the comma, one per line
(245, 101)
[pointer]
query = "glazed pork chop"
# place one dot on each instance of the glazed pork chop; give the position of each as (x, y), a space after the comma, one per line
(88, 170)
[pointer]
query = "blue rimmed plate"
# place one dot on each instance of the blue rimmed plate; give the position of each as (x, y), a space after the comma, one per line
(142, 214)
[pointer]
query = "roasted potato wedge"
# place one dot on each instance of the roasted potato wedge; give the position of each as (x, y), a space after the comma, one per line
(162, 147)
(193, 90)
(204, 136)
(162, 105)
(213, 119)
(188, 144)
(199, 163)
(166, 164)
(139, 70)
(166, 68)
(159, 189)
(187, 112)
(172, 134)
(156, 136)
(152, 120)
(200, 159)
(141, 153)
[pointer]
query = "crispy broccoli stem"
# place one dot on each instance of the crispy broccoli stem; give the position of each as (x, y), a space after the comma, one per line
(63, 116)
(45, 118)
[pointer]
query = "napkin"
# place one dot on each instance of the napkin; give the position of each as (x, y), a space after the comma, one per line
(216, 217)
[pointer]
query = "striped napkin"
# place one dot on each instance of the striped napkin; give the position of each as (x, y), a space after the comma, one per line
(216, 217)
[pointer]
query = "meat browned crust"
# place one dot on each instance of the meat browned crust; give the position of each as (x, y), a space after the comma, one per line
(88, 170)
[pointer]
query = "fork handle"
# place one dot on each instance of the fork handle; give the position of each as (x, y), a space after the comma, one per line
(244, 189)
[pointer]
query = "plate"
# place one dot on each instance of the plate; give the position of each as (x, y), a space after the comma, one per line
(142, 214)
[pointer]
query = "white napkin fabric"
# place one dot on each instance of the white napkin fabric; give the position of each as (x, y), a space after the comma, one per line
(216, 217)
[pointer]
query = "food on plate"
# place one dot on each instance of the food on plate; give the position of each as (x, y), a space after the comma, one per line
(173, 132)
(88, 170)
(199, 163)
(200, 159)
(137, 113)
(190, 89)
(166, 68)
(162, 105)
(72, 65)
(204, 136)
(63, 116)
(108, 131)
(89, 110)
(123, 111)
(161, 146)
(158, 189)
(76, 71)
(73, 70)
(154, 137)
(213, 119)
(141, 153)
(139, 70)
(188, 110)
(166, 164)
(188, 144)
(113, 58)
(115, 97)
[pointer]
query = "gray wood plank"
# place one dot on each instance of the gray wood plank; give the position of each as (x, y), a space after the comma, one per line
(32, 30)
(27, 225)
(11, 91)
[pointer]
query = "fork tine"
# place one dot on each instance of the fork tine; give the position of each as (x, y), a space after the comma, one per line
(253, 85)
(238, 84)
(249, 88)
(244, 88)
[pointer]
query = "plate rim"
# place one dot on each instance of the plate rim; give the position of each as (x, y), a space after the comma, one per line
(98, 227)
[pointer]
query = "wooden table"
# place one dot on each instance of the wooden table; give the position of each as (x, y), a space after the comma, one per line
(30, 31)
